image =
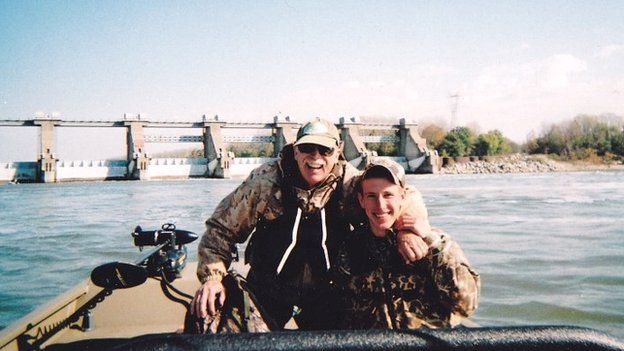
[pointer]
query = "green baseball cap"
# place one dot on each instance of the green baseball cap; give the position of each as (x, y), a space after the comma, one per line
(319, 132)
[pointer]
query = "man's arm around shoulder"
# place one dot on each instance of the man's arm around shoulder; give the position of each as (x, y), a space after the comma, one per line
(457, 281)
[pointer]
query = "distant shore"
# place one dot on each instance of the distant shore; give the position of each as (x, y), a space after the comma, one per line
(522, 163)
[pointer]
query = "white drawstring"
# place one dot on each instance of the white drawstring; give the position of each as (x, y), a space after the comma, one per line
(324, 242)
(292, 243)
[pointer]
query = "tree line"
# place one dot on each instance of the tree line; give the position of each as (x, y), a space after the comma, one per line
(583, 137)
(463, 141)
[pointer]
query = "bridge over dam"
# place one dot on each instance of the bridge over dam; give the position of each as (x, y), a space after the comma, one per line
(215, 135)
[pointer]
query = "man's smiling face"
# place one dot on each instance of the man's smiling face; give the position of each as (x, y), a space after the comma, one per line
(314, 167)
(381, 200)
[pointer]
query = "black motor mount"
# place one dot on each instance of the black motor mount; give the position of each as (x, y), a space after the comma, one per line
(168, 258)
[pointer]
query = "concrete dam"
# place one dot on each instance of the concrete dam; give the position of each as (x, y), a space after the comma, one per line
(216, 135)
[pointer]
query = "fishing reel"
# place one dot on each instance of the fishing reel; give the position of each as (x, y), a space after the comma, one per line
(168, 257)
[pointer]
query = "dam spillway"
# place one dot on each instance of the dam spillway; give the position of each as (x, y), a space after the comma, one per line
(217, 161)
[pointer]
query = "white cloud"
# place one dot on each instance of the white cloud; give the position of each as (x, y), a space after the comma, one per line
(608, 51)
(510, 81)
(354, 98)
(518, 97)
(412, 94)
(512, 97)
(556, 71)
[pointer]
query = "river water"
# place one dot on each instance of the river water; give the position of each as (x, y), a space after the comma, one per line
(549, 247)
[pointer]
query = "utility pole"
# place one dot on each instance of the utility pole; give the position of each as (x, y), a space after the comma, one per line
(454, 100)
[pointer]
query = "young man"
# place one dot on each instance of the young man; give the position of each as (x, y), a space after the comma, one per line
(296, 206)
(379, 289)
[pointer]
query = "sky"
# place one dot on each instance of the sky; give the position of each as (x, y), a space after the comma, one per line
(516, 66)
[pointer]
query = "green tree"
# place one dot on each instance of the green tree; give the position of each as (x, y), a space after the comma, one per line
(585, 136)
(617, 143)
(491, 143)
(551, 142)
(458, 142)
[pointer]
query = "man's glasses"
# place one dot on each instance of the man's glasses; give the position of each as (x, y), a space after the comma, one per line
(322, 150)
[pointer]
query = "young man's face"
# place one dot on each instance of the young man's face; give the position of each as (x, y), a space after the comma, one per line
(381, 200)
(315, 164)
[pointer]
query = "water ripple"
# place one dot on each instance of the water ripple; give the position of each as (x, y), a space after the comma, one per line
(549, 247)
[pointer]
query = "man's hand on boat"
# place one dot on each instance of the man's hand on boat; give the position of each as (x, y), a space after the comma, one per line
(411, 237)
(208, 298)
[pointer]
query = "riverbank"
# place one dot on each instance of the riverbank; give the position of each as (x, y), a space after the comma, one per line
(523, 163)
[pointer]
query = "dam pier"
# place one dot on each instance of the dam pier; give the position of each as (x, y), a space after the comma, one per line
(215, 136)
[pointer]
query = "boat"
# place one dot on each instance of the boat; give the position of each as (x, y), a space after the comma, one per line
(142, 306)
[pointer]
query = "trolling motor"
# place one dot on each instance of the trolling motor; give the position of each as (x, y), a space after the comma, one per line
(164, 261)
(168, 257)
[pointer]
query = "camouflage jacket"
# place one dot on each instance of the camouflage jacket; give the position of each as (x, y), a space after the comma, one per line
(380, 291)
(240, 313)
(260, 197)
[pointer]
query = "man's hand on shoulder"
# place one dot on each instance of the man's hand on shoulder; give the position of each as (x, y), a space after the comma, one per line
(411, 237)
(206, 298)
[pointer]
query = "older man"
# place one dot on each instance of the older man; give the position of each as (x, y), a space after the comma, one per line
(296, 206)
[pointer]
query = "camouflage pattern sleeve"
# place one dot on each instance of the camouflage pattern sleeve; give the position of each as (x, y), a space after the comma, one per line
(352, 210)
(414, 203)
(234, 219)
(458, 283)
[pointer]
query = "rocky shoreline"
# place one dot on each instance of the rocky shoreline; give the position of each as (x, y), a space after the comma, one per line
(519, 163)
